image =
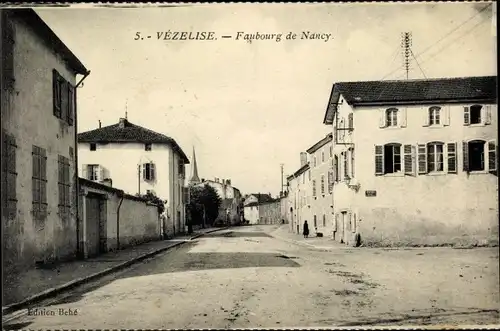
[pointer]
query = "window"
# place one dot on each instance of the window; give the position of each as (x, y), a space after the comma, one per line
(63, 98)
(351, 161)
(331, 151)
(147, 147)
(324, 220)
(148, 171)
(435, 158)
(9, 199)
(315, 222)
(475, 114)
(39, 184)
(330, 181)
(346, 165)
(93, 172)
(434, 115)
(391, 117)
(181, 169)
(64, 186)
(387, 159)
(93, 146)
(314, 161)
(309, 174)
(314, 187)
(452, 157)
(322, 184)
(8, 52)
(476, 155)
(336, 168)
(350, 120)
(322, 157)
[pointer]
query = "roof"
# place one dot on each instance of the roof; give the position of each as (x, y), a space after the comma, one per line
(129, 133)
(321, 143)
(301, 170)
(40, 28)
(262, 197)
(423, 91)
(98, 186)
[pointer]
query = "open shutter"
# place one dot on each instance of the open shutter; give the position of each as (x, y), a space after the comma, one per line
(408, 159)
(379, 160)
(487, 114)
(144, 171)
(465, 153)
(451, 150)
(422, 159)
(56, 94)
(351, 121)
(492, 156)
(85, 171)
(101, 173)
(466, 115)
(426, 117)
(402, 120)
(382, 122)
(445, 116)
(64, 99)
(71, 104)
(153, 171)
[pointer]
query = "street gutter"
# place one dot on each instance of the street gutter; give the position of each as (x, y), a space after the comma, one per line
(12, 308)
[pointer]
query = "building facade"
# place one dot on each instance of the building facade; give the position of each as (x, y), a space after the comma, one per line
(299, 195)
(138, 161)
(39, 84)
(230, 208)
(251, 206)
(417, 161)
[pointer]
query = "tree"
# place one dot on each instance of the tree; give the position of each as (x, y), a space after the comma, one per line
(152, 198)
(204, 201)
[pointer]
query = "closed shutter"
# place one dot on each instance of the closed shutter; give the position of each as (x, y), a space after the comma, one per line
(153, 171)
(466, 115)
(452, 157)
(64, 99)
(426, 114)
(379, 160)
(492, 156)
(71, 103)
(382, 120)
(56, 93)
(408, 159)
(465, 153)
(446, 116)
(422, 159)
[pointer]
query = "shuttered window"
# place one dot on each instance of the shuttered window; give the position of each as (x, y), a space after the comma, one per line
(64, 98)
(422, 159)
(435, 157)
(64, 186)
(379, 160)
(9, 177)
(465, 154)
(350, 120)
(39, 185)
(149, 171)
(314, 187)
(330, 181)
(408, 159)
(322, 184)
(452, 157)
(492, 156)
(466, 115)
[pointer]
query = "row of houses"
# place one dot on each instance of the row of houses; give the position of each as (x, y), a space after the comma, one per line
(409, 162)
(64, 194)
(261, 208)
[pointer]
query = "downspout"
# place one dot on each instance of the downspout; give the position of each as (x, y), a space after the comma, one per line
(121, 196)
(77, 189)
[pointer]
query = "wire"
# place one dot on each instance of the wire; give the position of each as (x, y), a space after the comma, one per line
(418, 64)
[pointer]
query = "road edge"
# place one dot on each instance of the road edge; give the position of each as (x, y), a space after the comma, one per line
(51, 292)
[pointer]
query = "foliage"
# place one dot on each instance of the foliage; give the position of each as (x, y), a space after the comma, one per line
(204, 199)
(152, 198)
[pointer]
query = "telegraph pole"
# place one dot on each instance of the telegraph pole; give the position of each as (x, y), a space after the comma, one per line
(406, 44)
(281, 190)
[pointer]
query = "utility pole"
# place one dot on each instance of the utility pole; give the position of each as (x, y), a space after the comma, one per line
(281, 190)
(406, 44)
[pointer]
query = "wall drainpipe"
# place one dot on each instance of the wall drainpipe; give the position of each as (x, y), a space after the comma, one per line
(79, 249)
(121, 195)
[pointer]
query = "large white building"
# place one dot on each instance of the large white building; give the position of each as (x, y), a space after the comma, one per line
(137, 160)
(418, 161)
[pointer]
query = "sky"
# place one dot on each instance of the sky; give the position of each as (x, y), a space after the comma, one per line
(249, 107)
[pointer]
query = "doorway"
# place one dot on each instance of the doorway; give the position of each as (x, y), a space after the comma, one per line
(343, 217)
(95, 209)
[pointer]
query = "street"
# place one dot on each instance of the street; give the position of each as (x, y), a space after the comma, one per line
(243, 277)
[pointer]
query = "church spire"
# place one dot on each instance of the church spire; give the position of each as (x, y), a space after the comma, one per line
(194, 171)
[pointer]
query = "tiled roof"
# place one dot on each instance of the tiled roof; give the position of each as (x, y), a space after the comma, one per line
(320, 143)
(299, 172)
(129, 133)
(31, 18)
(262, 197)
(444, 90)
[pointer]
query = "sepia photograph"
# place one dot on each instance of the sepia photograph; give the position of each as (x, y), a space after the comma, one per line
(329, 165)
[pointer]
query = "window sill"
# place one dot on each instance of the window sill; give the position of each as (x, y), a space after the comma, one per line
(395, 174)
(436, 126)
(437, 173)
(393, 127)
(475, 125)
(478, 172)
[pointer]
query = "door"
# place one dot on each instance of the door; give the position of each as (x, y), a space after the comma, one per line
(93, 216)
(342, 226)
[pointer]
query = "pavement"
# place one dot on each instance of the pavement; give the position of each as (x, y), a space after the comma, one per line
(21, 291)
(243, 277)
(326, 242)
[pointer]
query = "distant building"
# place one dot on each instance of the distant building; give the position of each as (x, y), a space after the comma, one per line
(252, 206)
(138, 161)
(418, 161)
(299, 195)
(38, 105)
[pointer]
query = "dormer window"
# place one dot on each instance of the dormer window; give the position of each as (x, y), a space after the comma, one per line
(93, 146)
(147, 147)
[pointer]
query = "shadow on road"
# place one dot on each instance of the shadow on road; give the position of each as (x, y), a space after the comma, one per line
(237, 234)
(16, 326)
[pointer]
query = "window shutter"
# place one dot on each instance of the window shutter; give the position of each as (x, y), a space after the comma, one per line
(427, 115)
(85, 171)
(379, 160)
(144, 171)
(101, 173)
(466, 115)
(402, 120)
(492, 156)
(465, 153)
(382, 122)
(452, 158)
(71, 102)
(351, 121)
(56, 94)
(487, 114)
(422, 159)
(408, 159)
(153, 171)
(445, 116)
(64, 99)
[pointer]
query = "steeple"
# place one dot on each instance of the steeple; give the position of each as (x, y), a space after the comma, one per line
(194, 171)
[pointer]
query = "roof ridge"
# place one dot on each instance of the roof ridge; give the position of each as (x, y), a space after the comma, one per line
(414, 79)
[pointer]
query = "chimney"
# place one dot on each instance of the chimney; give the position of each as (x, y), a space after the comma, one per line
(228, 181)
(108, 182)
(99, 124)
(122, 123)
(203, 180)
(303, 158)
